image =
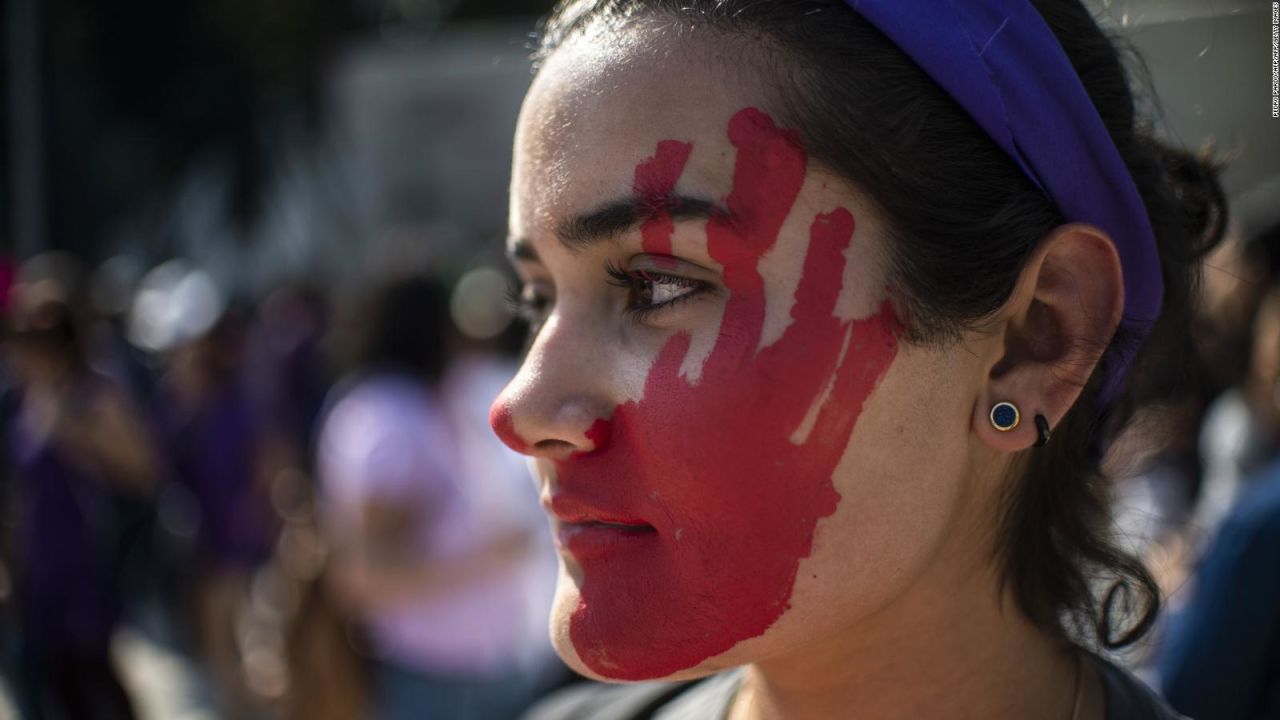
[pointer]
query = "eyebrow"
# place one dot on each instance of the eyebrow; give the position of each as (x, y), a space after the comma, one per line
(612, 219)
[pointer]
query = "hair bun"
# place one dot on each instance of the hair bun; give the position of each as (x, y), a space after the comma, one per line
(1194, 180)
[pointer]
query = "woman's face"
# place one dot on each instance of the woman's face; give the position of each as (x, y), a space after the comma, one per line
(739, 455)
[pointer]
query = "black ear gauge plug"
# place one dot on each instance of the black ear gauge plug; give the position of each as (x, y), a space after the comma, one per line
(1042, 431)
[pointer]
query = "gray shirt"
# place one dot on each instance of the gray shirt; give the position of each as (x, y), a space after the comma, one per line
(710, 698)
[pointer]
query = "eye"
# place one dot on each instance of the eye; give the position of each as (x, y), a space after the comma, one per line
(651, 292)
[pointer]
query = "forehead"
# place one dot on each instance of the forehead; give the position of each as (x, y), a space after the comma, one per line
(600, 106)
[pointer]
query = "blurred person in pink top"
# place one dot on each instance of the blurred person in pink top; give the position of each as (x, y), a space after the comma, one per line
(422, 556)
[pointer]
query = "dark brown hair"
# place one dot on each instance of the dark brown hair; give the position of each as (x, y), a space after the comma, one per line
(963, 221)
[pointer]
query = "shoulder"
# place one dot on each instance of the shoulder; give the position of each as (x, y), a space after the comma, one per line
(1128, 698)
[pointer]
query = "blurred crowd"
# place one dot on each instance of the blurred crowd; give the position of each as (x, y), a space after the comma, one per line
(1199, 497)
(289, 490)
(299, 495)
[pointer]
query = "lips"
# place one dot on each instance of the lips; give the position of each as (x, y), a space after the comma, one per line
(571, 509)
(587, 531)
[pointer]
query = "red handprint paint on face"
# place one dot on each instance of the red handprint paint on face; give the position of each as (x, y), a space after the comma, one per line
(655, 180)
(732, 502)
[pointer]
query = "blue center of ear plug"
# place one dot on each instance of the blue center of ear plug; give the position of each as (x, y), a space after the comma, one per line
(1005, 416)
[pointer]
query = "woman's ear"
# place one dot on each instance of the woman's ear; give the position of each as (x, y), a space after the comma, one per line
(1061, 317)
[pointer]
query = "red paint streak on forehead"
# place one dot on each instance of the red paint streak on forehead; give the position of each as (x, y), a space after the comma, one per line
(733, 502)
(655, 180)
(767, 178)
(656, 177)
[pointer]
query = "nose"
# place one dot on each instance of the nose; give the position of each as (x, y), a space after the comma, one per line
(552, 408)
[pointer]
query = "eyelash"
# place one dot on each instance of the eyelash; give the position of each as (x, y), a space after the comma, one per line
(635, 281)
(529, 310)
(532, 310)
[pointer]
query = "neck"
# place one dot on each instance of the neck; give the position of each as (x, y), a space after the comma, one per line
(949, 648)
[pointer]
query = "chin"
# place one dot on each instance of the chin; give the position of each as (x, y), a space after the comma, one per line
(566, 602)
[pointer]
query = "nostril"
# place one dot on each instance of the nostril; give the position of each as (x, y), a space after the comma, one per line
(554, 448)
(548, 434)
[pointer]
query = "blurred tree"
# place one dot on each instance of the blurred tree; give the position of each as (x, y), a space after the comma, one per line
(138, 90)
(491, 8)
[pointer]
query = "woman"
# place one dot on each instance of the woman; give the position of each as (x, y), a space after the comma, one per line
(78, 445)
(213, 435)
(423, 554)
(836, 308)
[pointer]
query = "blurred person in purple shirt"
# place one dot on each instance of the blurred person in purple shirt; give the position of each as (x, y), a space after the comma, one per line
(211, 433)
(423, 556)
(76, 442)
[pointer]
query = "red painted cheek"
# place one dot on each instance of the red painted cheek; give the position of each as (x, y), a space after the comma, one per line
(599, 433)
(711, 466)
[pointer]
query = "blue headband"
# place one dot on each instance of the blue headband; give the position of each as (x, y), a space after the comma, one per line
(1002, 63)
